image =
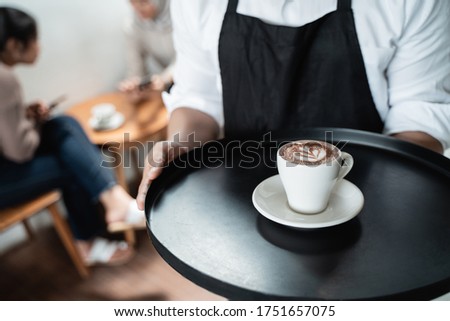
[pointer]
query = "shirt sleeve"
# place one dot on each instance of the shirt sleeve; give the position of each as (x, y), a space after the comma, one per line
(195, 74)
(419, 73)
(167, 73)
(134, 52)
(18, 135)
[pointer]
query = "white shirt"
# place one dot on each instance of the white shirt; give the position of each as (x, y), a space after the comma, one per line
(405, 45)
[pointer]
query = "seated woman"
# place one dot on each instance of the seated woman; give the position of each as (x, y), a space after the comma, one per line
(39, 154)
(150, 51)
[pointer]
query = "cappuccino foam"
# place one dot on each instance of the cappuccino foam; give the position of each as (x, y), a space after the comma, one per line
(308, 152)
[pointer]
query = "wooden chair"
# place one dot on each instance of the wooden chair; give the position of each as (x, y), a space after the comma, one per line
(48, 201)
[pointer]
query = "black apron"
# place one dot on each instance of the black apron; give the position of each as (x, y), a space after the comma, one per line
(278, 77)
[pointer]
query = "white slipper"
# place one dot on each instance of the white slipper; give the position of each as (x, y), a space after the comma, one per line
(102, 251)
(135, 219)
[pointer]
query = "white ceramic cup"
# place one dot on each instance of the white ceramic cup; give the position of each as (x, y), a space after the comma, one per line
(103, 113)
(308, 187)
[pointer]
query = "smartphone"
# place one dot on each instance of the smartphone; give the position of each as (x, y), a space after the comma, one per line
(56, 102)
(145, 82)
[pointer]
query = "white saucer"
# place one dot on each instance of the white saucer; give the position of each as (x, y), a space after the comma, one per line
(269, 198)
(115, 122)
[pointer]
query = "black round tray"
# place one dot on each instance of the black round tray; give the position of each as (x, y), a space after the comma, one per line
(202, 221)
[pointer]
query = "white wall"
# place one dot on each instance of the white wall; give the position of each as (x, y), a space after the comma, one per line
(82, 48)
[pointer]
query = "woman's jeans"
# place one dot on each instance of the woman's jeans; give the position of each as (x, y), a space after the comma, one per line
(65, 160)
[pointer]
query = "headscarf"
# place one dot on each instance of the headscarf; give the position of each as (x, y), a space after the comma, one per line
(162, 21)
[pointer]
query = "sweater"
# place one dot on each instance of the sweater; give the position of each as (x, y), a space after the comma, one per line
(19, 136)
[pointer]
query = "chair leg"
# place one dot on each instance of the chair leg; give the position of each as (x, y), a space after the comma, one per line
(130, 237)
(135, 161)
(120, 170)
(28, 229)
(66, 236)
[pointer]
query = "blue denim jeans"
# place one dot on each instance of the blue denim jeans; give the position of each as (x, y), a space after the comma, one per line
(65, 160)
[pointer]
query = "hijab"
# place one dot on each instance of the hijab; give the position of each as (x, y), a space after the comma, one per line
(162, 21)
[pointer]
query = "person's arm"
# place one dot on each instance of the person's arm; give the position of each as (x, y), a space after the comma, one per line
(167, 73)
(135, 56)
(136, 67)
(19, 136)
(164, 79)
(188, 128)
(419, 77)
(194, 102)
(422, 139)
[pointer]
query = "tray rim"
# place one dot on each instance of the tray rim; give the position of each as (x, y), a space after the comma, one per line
(433, 160)
(415, 153)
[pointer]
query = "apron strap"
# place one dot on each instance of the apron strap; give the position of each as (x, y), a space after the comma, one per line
(344, 5)
(232, 6)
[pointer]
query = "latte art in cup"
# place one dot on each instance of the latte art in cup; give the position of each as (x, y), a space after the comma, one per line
(309, 171)
(307, 152)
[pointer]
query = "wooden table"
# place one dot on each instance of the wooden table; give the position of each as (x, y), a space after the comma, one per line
(144, 122)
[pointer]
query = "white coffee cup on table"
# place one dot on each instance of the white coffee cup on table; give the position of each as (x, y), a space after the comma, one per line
(309, 171)
(103, 113)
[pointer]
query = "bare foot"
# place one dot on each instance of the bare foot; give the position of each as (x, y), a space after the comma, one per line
(116, 202)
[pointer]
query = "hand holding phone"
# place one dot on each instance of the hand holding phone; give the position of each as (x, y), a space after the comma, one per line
(56, 102)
